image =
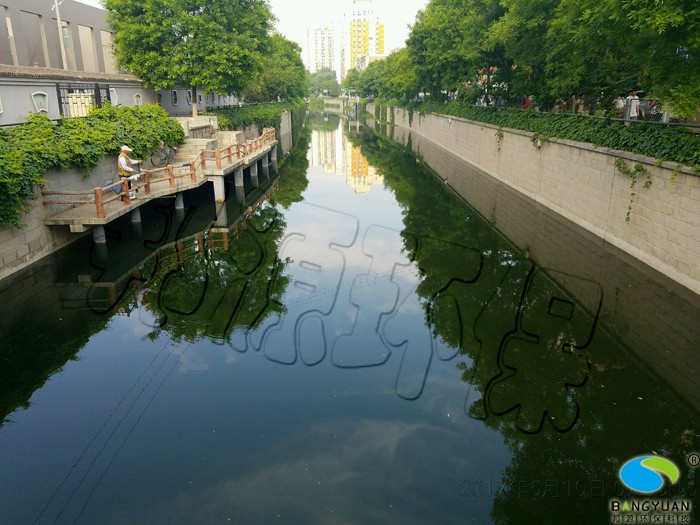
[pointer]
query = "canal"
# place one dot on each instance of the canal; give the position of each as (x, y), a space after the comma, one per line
(350, 343)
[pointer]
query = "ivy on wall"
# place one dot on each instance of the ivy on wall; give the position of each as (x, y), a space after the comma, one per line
(265, 115)
(29, 150)
(673, 143)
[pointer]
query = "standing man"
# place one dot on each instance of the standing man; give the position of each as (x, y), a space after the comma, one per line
(633, 105)
(124, 164)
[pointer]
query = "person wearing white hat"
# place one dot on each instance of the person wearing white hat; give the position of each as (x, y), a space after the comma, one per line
(124, 164)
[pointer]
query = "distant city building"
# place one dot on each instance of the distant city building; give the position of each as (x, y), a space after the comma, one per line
(366, 60)
(366, 34)
(322, 48)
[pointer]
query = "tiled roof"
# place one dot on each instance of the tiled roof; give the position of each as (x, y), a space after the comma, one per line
(62, 74)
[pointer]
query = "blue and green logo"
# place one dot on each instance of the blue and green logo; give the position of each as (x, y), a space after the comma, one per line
(647, 474)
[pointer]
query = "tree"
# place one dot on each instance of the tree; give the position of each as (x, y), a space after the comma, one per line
(667, 48)
(522, 32)
(449, 44)
(399, 76)
(352, 82)
(284, 75)
(324, 82)
(214, 45)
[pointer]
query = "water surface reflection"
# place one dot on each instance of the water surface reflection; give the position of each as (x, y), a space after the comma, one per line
(361, 348)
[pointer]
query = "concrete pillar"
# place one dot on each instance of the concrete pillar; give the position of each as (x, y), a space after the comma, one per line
(240, 194)
(273, 159)
(100, 255)
(254, 174)
(219, 189)
(265, 166)
(221, 215)
(98, 234)
(180, 201)
(136, 227)
(238, 177)
(179, 216)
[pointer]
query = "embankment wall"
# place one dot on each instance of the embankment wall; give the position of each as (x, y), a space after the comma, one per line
(581, 183)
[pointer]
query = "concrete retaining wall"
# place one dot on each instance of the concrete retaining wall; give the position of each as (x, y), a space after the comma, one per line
(21, 247)
(580, 182)
(285, 139)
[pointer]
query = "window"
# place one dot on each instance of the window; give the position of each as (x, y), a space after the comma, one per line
(189, 97)
(0, 105)
(138, 99)
(41, 101)
(114, 99)
(199, 97)
(159, 99)
(173, 97)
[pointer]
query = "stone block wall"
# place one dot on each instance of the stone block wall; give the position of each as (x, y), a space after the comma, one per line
(581, 183)
(589, 268)
(285, 138)
(21, 247)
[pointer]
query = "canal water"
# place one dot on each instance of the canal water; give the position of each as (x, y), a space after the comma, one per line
(350, 342)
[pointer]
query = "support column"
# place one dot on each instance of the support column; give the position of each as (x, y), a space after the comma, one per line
(219, 189)
(100, 254)
(221, 215)
(136, 227)
(238, 177)
(240, 195)
(254, 174)
(179, 201)
(265, 166)
(136, 215)
(273, 159)
(98, 234)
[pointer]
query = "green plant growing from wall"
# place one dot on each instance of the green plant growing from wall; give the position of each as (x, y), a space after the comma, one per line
(633, 174)
(31, 149)
(499, 138)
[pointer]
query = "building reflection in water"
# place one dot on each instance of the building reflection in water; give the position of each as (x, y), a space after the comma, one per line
(333, 152)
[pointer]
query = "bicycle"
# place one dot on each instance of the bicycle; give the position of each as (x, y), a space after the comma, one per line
(163, 156)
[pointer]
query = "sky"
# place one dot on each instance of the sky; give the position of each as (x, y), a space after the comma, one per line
(296, 16)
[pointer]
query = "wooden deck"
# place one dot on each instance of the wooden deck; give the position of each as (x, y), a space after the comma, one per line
(81, 210)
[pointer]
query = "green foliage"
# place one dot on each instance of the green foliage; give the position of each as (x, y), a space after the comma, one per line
(633, 174)
(283, 76)
(293, 168)
(324, 82)
(672, 143)
(214, 45)
(264, 115)
(316, 104)
(548, 49)
(28, 151)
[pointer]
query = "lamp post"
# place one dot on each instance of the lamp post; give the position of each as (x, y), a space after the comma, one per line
(61, 43)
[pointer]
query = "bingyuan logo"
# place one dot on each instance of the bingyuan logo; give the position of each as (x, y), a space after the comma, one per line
(647, 474)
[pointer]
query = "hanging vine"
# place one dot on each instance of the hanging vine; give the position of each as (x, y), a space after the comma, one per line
(633, 174)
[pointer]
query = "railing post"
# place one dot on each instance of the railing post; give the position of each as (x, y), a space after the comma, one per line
(203, 159)
(147, 182)
(125, 191)
(99, 203)
(193, 172)
(171, 176)
(238, 150)
(217, 155)
(229, 155)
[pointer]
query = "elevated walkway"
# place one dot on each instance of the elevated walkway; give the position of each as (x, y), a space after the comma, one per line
(197, 162)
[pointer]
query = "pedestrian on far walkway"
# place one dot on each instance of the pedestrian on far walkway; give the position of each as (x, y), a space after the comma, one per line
(633, 105)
